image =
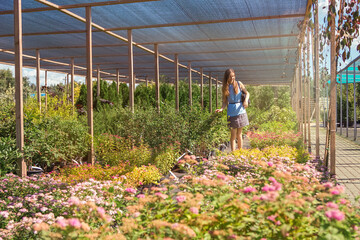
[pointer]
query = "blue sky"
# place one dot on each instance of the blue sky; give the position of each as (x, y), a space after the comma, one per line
(56, 78)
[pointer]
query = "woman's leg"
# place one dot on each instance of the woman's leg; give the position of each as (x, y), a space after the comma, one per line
(232, 138)
(239, 137)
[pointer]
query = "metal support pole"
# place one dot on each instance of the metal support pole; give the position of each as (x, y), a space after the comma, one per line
(210, 93)
(72, 82)
(177, 106)
(46, 91)
(157, 76)
(217, 95)
(355, 117)
(98, 81)
(341, 122)
(91, 156)
(347, 103)
(308, 88)
(38, 87)
(131, 69)
(190, 85)
(300, 92)
(19, 85)
(202, 87)
(333, 94)
(117, 80)
(317, 87)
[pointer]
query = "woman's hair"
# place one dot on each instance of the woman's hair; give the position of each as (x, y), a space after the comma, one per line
(226, 82)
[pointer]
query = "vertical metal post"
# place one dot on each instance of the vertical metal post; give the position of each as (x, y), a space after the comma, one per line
(177, 106)
(300, 92)
(131, 69)
(217, 95)
(91, 156)
(210, 93)
(332, 94)
(341, 122)
(157, 76)
(304, 99)
(98, 81)
(347, 103)
(19, 85)
(146, 81)
(117, 80)
(317, 85)
(308, 88)
(355, 118)
(46, 91)
(38, 87)
(190, 85)
(72, 82)
(202, 87)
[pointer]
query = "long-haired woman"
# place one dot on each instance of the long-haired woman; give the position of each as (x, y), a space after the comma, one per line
(237, 117)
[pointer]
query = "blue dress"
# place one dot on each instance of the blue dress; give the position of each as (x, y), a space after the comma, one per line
(235, 106)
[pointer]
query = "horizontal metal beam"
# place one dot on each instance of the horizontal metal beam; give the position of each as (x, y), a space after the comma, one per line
(232, 51)
(78, 5)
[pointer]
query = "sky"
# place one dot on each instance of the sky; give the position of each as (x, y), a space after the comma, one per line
(56, 78)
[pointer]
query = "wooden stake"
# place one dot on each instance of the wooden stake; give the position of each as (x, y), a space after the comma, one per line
(309, 88)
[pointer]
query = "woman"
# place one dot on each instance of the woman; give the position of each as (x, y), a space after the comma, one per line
(237, 117)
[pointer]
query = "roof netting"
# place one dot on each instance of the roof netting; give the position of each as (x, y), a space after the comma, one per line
(258, 39)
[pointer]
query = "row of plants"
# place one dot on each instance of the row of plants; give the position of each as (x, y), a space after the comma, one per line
(250, 194)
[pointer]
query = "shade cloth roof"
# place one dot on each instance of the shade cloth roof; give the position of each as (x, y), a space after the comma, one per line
(258, 39)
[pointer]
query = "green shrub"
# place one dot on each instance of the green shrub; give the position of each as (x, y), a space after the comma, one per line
(7, 119)
(143, 175)
(9, 154)
(112, 150)
(166, 159)
(57, 142)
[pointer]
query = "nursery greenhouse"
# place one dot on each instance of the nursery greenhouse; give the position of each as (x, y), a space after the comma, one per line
(142, 150)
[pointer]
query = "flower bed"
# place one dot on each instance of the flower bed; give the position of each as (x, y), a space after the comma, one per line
(247, 195)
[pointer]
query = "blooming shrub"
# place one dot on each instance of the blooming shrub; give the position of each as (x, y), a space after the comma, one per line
(81, 173)
(143, 175)
(249, 195)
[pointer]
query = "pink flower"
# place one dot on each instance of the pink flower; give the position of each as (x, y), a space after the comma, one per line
(74, 201)
(180, 198)
(267, 188)
(4, 214)
(136, 214)
(328, 184)
(130, 190)
(272, 218)
(332, 205)
(273, 180)
(74, 222)
(141, 196)
(249, 189)
(221, 176)
(163, 196)
(343, 201)
(194, 210)
(278, 223)
(335, 214)
(62, 222)
(270, 164)
(337, 190)
(101, 211)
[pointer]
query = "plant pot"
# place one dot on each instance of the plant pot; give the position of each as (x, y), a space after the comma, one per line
(34, 172)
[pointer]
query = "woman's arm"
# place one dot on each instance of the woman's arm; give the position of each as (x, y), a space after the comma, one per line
(247, 95)
(224, 105)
